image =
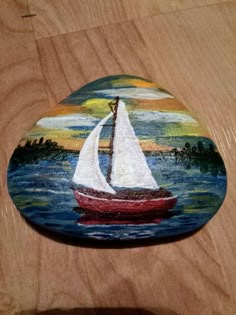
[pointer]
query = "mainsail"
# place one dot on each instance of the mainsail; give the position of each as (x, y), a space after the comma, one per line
(88, 172)
(129, 165)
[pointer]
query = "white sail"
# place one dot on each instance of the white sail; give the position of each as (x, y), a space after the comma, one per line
(88, 172)
(129, 165)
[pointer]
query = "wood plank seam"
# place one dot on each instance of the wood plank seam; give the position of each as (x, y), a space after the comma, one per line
(173, 11)
(44, 78)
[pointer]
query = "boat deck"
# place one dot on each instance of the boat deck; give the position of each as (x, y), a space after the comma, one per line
(128, 194)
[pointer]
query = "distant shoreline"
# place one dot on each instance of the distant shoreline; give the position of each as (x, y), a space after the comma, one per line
(206, 158)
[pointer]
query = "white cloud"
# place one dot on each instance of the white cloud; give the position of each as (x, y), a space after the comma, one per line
(167, 117)
(66, 121)
(136, 93)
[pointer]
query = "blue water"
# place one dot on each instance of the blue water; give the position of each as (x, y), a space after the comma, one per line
(42, 193)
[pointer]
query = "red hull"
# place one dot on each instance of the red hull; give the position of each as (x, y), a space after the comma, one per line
(102, 205)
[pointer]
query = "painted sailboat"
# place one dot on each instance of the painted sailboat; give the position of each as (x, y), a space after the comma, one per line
(129, 187)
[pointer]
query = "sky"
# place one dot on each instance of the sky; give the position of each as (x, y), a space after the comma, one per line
(160, 121)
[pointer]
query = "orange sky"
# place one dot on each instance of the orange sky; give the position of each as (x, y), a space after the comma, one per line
(98, 108)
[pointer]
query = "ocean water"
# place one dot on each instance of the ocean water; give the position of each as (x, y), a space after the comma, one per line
(41, 191)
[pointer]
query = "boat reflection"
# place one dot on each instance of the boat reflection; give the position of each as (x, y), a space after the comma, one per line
(88, 218)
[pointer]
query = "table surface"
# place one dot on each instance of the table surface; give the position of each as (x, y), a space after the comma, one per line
(50, 48)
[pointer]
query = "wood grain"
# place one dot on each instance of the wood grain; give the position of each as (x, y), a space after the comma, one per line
(26, 278)
(192, 54)
(13, 27)
(63, 16)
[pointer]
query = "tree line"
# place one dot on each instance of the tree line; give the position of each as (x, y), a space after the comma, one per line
(206, 157)
(33, 151)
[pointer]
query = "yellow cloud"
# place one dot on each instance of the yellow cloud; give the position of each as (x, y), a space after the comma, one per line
(134, 82)
(185, 129)
(97, 107)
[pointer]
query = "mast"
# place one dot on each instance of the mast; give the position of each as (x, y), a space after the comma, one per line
(111, 144)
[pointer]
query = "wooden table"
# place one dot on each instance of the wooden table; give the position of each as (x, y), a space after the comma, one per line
(189, 47)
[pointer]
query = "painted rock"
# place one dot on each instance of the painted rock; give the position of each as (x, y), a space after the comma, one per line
(118, 159)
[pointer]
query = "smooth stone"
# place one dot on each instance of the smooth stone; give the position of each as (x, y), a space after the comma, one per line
(60, 181)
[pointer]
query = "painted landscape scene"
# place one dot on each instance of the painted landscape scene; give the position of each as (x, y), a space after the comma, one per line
(118, 159)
